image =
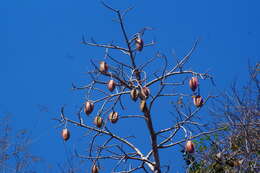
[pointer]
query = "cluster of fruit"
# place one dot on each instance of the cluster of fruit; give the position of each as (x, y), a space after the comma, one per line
(137, 92)
(197, 99)
(198, 102)
(111, 84)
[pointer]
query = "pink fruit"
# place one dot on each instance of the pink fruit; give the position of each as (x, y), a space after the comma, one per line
(89, 106)
(198, 101)
(145, 92)
(103, 67)
(65, 134)
(111, 85)
(189, 147)
(194, 82)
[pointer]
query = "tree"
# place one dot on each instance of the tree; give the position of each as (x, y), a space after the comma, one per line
(237, 149)
(116, 82)
(15, 155)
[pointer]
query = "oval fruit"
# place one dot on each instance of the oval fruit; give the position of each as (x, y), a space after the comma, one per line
(111, 85)
(145, 92)
(98, 121)
(94, 169)
(193, 83)
(189, 147)
(65, 134)
(198, 101)
(113, 117)
(103, 67)
(139, 43)
(134, 94)
(89, 107)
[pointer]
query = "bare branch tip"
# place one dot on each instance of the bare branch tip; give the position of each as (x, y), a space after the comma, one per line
(109, 7)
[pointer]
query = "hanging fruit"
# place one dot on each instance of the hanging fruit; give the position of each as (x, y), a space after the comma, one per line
(103, 67)
(134, 94)
(143, 106)
(145, 92)
(194, 83)
(98, 121)
(189, 147)
(65, 134)
(89, 106)
(139, 43)
(113, 117)
(94, 169)
(111, 85)
(198, 101)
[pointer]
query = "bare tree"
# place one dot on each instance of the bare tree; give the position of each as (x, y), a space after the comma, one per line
(15, 156)
(115, 82)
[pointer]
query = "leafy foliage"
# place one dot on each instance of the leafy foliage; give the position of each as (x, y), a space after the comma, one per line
(237, 148)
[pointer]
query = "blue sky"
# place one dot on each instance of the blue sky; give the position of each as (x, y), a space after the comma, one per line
(41, 54)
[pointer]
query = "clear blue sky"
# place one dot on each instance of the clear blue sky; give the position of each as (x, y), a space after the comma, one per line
(41, 54)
